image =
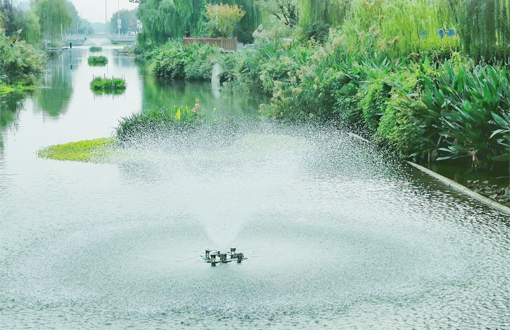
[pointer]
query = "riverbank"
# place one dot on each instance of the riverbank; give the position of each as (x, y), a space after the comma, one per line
(20, 64)
(434, 106)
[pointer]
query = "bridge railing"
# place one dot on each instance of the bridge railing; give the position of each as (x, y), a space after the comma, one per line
(225, 43)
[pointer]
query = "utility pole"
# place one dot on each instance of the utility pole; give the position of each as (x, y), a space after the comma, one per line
(106, 12)
(118, 19)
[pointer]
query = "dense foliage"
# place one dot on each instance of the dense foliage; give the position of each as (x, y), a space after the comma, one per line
(95, 49)
(55, 17)
(426, 78)
(222, 19)
(163, 20)
(19, 23)
(429, 106)
(20, 63)
(177, 61)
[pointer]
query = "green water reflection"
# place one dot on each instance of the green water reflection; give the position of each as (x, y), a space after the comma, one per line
(54, 99)
(158, 93)
(10, 106)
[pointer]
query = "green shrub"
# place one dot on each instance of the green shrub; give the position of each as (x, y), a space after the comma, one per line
(20, 63)
(97, 60)
(95, 49)
(109, 86)
(222, 19)
(177, 61)
(319, 31)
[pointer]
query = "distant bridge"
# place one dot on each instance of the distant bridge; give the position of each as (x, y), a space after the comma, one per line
(99, 39)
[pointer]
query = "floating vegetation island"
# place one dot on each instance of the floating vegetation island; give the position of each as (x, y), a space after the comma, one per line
(95, 49)
(97, 60)
(84, 151)
(102, 85)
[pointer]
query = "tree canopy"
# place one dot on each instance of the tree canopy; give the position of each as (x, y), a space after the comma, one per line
(55, 17)
(128, 19)
(164, 19)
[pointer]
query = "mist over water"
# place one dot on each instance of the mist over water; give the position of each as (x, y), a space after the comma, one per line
(337, 234)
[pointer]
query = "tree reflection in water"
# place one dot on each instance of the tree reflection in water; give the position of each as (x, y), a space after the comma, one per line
(55, 98)
(10, 106)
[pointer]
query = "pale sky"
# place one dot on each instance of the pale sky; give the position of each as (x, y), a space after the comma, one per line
(94, 10)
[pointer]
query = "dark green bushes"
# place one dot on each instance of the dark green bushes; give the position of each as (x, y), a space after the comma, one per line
(97, 60)
(436, 110)
(20, 63)
(177, 61)
(95, 49)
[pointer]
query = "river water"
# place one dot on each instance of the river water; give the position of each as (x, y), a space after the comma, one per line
(336, 234)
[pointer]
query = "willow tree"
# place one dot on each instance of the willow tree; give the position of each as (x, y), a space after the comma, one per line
(32, 31)
(400, 27)
(54, 17)
(327, 11)
(285, 11)
(164, 19)
(483, 25)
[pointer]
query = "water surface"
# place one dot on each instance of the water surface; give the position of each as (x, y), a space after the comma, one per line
(337, 235)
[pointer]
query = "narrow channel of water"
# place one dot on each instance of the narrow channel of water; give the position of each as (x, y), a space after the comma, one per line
(337, 235)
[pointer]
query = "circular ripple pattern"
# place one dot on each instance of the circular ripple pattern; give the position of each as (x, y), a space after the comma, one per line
(336, 235)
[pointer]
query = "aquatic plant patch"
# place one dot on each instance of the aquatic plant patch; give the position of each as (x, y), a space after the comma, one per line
(107, 85)
(98, 150)
(158, 120)
(97, 60)
(95, 49)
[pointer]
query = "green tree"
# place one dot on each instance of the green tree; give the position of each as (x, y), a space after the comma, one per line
(19, 23)
(54, 16)
(164, 19)
(128, 19)
(286, 11)
(32, 31)
(222, 19)
(326, 11)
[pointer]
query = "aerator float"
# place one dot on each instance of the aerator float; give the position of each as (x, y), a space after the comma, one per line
(210, 257)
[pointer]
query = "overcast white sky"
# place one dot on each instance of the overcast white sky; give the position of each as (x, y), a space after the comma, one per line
(94, 10)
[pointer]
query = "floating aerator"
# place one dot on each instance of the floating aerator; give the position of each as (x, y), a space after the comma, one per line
(210, 257)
